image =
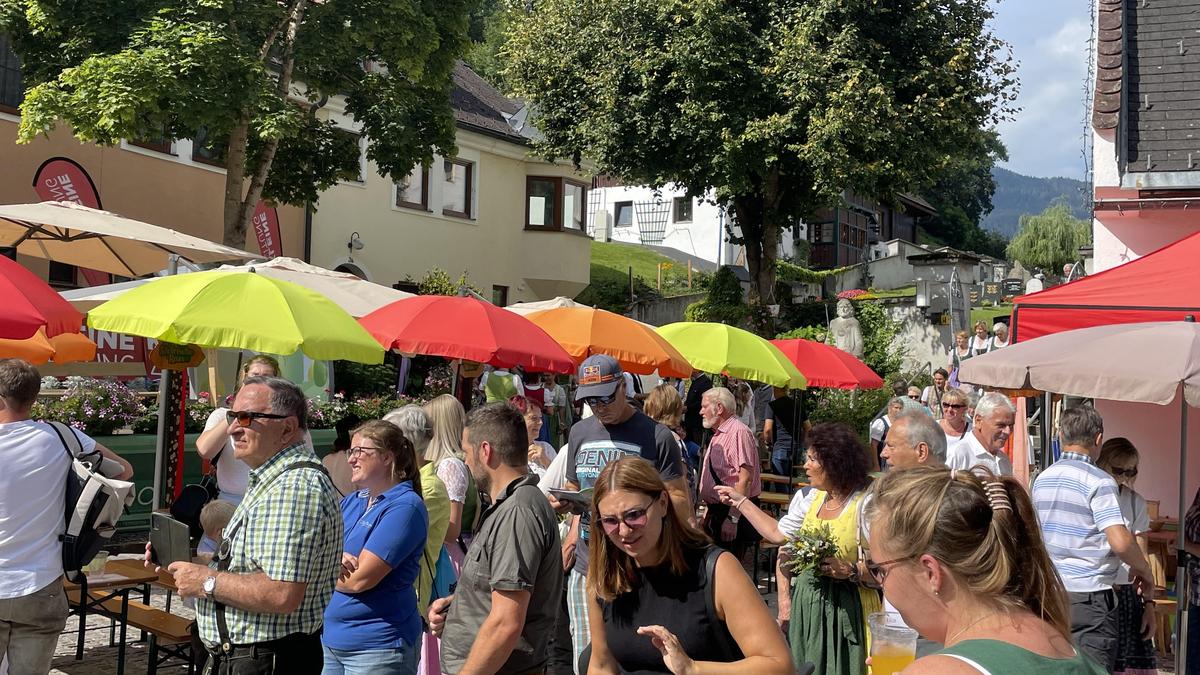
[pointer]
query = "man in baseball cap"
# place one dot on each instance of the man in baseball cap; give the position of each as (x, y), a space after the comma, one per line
(616, 429)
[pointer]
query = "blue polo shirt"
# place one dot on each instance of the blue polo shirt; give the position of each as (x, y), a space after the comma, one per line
(385, 617)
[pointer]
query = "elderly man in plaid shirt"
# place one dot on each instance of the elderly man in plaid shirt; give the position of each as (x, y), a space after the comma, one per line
(260, 604)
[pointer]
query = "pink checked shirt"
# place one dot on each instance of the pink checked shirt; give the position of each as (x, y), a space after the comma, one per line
(732, 447)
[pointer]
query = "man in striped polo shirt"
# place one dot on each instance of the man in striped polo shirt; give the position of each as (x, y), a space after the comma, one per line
(1086, 536)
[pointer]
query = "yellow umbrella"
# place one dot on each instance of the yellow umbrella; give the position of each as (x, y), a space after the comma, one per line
(238, 310)
(584, 331)
(718, 348)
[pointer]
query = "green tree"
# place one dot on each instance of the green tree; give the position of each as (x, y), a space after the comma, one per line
(724, 302)
(251, 74)
(962, 194)
(777, 106)
(1050, 239)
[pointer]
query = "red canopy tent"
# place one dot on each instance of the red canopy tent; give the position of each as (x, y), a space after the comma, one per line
(1159, 286)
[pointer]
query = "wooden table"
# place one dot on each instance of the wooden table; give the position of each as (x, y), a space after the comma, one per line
(1158, 545)
(118, 579)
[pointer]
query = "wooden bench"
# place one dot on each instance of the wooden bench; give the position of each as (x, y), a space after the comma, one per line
(1164, 610)
(169, 633)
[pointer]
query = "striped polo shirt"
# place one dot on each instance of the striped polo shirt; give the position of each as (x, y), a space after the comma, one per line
(1076, 501)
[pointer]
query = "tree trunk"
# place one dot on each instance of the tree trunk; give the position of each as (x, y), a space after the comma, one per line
(760, 234)
(234, 233)
(239, 208)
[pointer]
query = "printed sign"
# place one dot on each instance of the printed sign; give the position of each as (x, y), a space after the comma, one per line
(265, 222)
(170, 356)
(59, 179)
(1013, 287)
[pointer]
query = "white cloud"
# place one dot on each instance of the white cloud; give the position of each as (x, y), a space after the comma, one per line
(1050, 42)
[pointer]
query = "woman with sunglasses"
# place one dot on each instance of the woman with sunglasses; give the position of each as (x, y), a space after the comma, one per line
(826, 612)
(1135, 617)
(372, 624)
(960, 556)
(954, 422)
(653, 605)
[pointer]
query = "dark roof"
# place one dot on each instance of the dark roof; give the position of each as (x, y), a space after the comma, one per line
(478, 106)
(945, 254)
(1162, 50)
(1106, 103)
(917, 201)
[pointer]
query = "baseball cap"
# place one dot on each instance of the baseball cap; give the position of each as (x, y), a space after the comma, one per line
(599, 375)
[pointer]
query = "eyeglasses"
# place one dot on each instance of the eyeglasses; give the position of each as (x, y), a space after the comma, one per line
(594, 401)
(360, 450)
(245, 417)
(1132, 473)
(954, 406)
(880, 570)
(634, 519)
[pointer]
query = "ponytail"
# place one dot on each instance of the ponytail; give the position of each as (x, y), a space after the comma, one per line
(984, 530)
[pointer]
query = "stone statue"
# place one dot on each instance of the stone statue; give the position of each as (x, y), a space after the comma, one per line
(844, 331)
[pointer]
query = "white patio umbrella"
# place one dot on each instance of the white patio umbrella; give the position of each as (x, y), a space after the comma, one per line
(1157, 362)
(69, 233)
(524, 308)
(358, 297)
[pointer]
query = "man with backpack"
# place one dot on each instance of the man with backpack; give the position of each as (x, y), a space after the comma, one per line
(33, 604)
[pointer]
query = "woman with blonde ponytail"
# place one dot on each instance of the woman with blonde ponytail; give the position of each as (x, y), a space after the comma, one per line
(960, 556)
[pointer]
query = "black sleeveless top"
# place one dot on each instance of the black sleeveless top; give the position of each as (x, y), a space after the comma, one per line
(676, 602)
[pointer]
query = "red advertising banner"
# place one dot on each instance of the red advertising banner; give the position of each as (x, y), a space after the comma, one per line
(59, 179)
(265, 222)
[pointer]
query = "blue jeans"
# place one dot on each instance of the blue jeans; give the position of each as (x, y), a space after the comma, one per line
(371, 661)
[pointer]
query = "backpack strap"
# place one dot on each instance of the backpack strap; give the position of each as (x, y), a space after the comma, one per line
(725, 641)
(224, 554)
(73, 447)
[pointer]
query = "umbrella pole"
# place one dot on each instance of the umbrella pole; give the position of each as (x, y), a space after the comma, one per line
(1182, 578)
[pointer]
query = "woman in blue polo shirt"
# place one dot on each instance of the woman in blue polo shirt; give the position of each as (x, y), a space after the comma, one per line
(372, 624)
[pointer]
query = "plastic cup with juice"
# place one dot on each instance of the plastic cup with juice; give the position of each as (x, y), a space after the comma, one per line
(893, 644)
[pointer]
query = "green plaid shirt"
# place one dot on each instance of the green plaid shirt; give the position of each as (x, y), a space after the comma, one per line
(290, 528)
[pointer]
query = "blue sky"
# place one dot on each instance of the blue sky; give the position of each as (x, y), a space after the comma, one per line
(1050, 42)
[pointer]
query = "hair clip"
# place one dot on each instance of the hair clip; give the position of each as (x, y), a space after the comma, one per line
(997, 496)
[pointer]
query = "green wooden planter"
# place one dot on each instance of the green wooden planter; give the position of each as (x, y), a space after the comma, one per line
(138, 450)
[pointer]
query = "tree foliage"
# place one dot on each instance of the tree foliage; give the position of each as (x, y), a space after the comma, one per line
(775, 105)
(251, 74)
(962, 194)
(1050, 239)
(724, 303)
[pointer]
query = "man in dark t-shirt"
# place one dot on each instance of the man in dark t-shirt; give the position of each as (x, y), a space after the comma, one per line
(615, 430)
(783, 416)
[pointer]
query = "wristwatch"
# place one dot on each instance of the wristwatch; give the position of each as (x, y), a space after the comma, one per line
(210, 587)
(734, 519)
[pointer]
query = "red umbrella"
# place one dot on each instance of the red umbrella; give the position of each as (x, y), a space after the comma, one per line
(31, 304)
(466, 328)
(826, 366)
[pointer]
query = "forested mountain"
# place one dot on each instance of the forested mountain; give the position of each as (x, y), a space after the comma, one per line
(1017, 195)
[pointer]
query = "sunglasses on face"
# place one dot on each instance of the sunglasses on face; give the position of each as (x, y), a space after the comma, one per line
(594, 401)
(914, 397)
(1132, 473)
(245, 417)
(954, 406)
(880, 570)
(634, 519)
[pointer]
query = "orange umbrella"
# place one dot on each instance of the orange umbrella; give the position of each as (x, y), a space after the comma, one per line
(63, 348)
(584, 331)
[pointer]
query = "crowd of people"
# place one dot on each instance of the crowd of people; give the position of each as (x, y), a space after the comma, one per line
(512, 539)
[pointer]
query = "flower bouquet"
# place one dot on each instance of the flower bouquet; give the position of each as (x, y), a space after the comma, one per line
(809, 547)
